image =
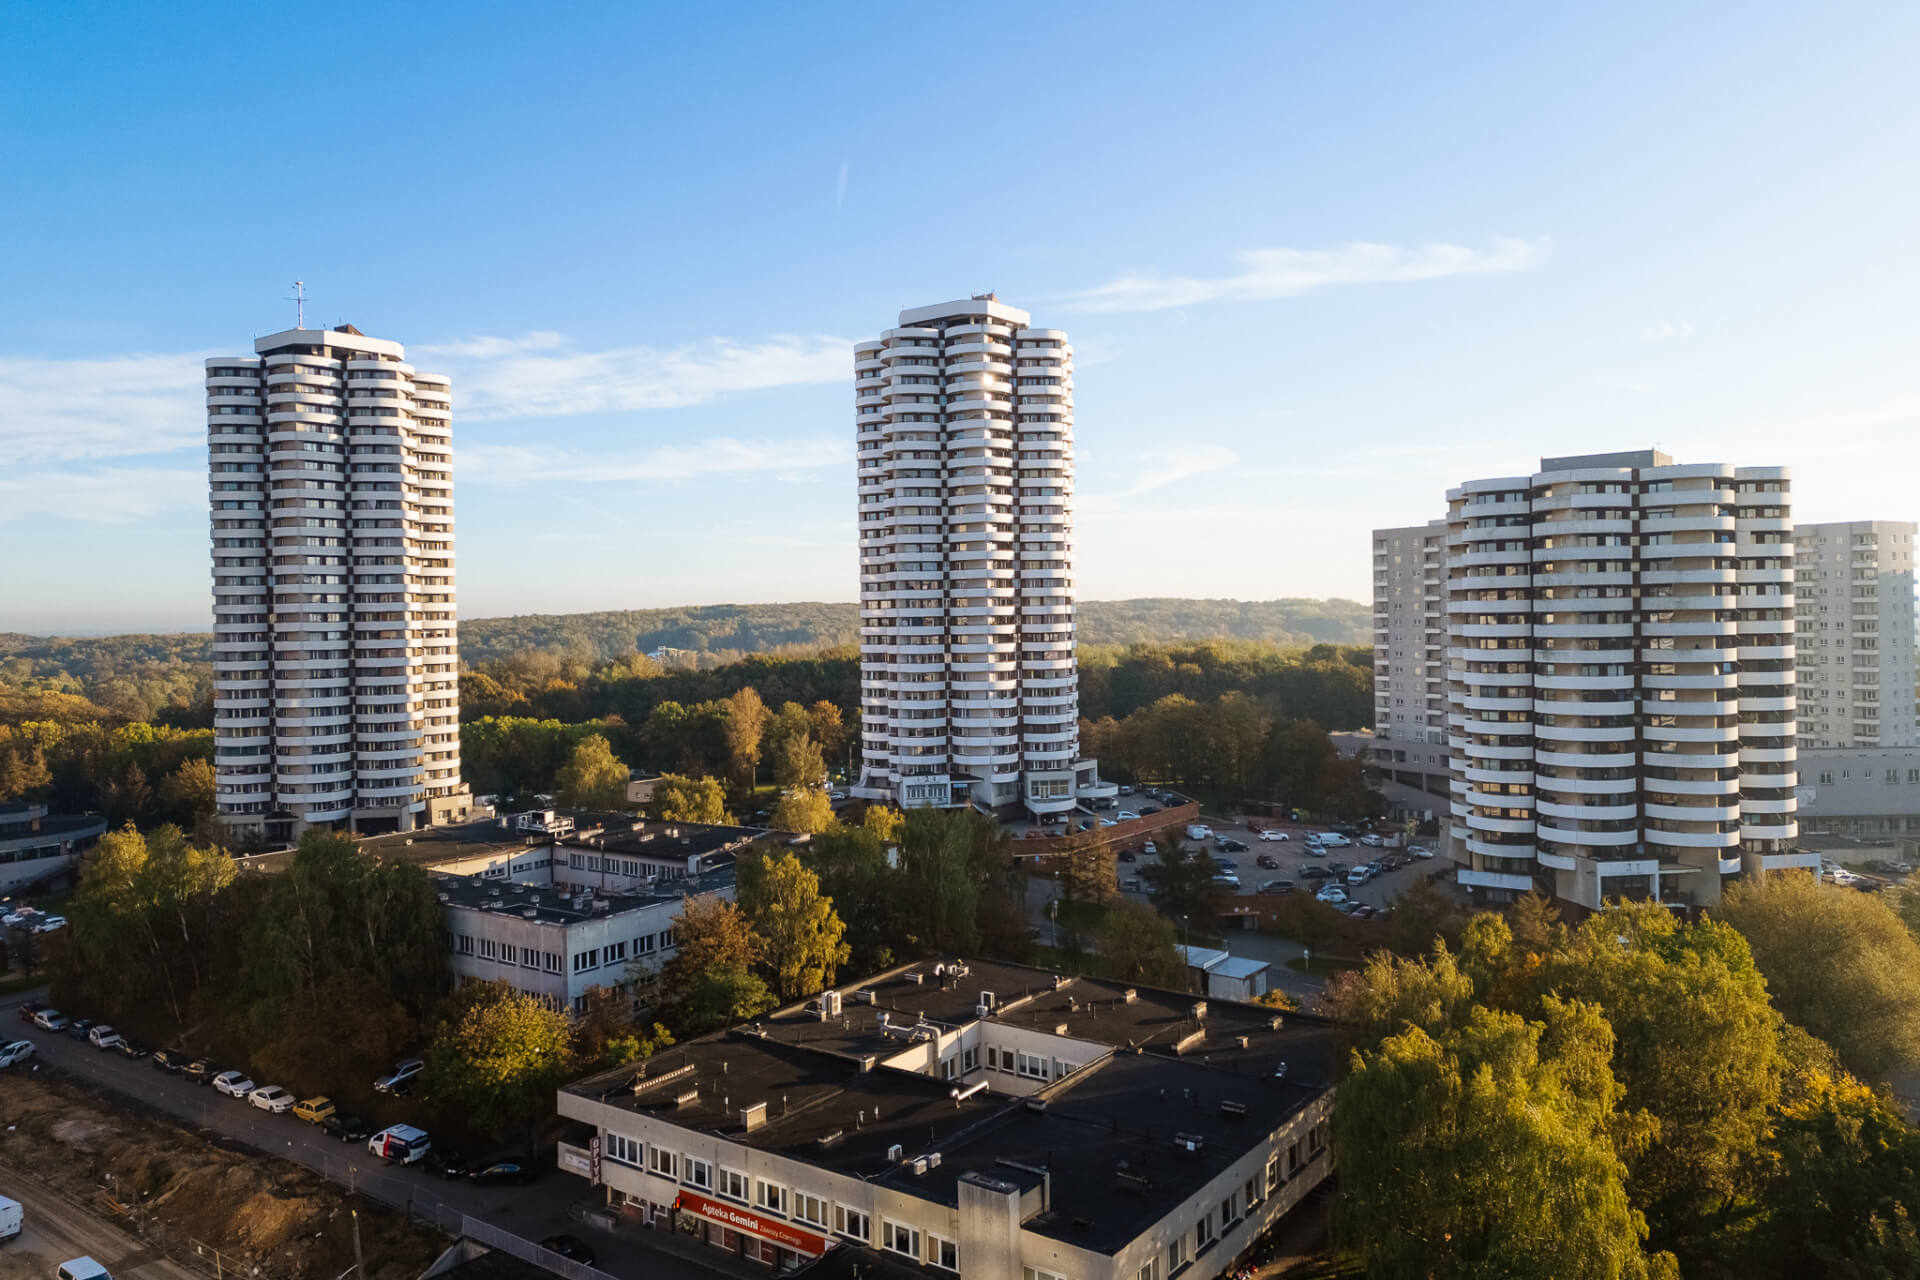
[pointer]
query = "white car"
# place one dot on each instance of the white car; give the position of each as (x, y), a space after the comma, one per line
(17, 1052)
(1274, 834)
(1128, 815)
(1372, 841)
(235, 1084)
(1334, 840)
(1840, 875)
(270, 1097)
(50, 924)
(1150, 848)
(1332, 893)
(1420, 851)
(1107, 822)
(105, 1037)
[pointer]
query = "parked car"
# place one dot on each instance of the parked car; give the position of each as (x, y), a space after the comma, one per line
(81, 1268)
(30, 1007)
(1226, 864)
(234, 1084)
(1108, 822)
(171, 1061)
(200, 1071)
(313, 1110)
(1345, 829)
(1332, 893)
(1126, 789)
(1086, 824)
(1338, 870)
(1419, 851)
(1126, 855)
(1150, 848)
(1146, 809)
(1268, 861)
(79, 1028)
(1334, 840)
(400, 1142)
(50, 1020)
(1228, 880)
(1277, 886)
(1314, 849)
(1274, 834)
(51, 923)
(1373, 842)
(347, 1128)
(271, 1097)
(1392, 862)
(448, 1164)
(1225, 845)
(128, 1049)
(1358, 876)
(1361, 911)
(1199, 831)
(104, 1037)
(1313, 873)
(1132, 885)
(1375, 867)
(503, 1171)
(401, 1077)
(15, 1053)
(569, 1247)
(1126, 815)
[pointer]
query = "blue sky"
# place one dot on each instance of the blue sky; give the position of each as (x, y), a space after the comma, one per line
(1318, 262)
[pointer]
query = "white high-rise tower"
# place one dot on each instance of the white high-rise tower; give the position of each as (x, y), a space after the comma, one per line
(335, 665)
(968, 680)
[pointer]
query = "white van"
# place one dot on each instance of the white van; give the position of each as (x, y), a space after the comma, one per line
(1199, 831)
(82, 1269)
(9, 1218)
(400, 1142)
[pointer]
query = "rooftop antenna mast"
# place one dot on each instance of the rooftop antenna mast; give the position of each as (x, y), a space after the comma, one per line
(299, 301)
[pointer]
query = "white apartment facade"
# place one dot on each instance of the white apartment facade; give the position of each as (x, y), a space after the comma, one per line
(1409, 633)
(1855, 638)
(1621, 706)
(968, 678)
(335, 683)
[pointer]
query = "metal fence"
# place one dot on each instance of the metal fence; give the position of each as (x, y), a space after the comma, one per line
(527, 1251)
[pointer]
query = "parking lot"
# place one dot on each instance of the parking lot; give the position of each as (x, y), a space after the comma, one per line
(1292, 859)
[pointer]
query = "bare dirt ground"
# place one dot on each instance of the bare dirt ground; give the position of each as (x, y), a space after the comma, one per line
(177, 1190)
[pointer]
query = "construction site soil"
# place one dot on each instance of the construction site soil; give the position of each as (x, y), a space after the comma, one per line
(184, 1192)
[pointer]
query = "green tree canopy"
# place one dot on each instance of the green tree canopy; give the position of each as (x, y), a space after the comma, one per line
(677, 798)
(498, 1055)
(805, 810)
(803, 939)
(1138, 945)
(1839, 963)
(1489, 1151)
(593, 778)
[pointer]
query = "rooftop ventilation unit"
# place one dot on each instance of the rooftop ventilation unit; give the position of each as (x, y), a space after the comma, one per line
(1242, 1041)
(1059, 1028)
(894, 1152)
(917, 978)
(1131, 995)
(687, 1097)
(531, 913)
(1234, 1109)
(1189, 1142)
(753, 1117)
(826, 1140)
(1127, 1180)
(986, 1000)
(920, 1165)
(1038, 1106)
(1280, 1072)
(866, 995)
(1199, 1010)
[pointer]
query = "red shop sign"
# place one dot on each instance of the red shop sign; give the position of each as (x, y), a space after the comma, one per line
(753, 1224)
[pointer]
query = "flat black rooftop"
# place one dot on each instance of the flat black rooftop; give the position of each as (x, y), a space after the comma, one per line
(1227, 1074)
(616, 833)
(551, 905)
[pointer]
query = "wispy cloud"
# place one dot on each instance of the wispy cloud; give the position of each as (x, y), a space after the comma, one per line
(515, 465)
(840, 188)
(112, 406)
(1667, 331)
(1188, 461)
(105, 495)
(543, 374)
(1266, 274)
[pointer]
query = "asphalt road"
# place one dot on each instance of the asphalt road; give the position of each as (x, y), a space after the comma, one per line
(56, 1230)
(531, 1212)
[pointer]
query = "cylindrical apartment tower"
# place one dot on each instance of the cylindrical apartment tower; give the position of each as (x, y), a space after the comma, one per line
(336, 667)
(968, 680)
(1621, 709)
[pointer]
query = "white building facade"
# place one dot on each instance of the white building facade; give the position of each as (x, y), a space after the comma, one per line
(335, 684)
(1621, 709)
(969, 694)
(1855, 637)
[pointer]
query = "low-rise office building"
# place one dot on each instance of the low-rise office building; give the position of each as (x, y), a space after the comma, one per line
(974, 1118)
(37, 847)
(1865, 793)
(555, 904)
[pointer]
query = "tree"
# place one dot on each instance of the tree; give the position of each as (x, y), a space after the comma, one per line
(593, 778)
(1844, 1198)
(829, 730)
(1308, 921)
(797, 762)
(1138, 945)
(1488, 1150)
(498, 1055)
(1422, 912)
(804, 810)
(188, 793)
(1183, 887)
(1535, 922)
(883, 822)
(709, 978)
(1085, 868)
(1839, 963)
(722, 997)
(804, 943)
(1390, 995)
(677, 798)
(745, 723)
(606, 1035)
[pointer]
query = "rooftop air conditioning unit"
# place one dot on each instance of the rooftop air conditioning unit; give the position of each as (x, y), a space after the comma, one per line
(919, 1165)
(895, 1151)
(986, 999)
